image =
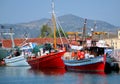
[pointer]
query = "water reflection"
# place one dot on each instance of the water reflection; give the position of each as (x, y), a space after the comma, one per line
(89, 77)
(49, 72)
(14, 71)
(69, 77)
(26, 75)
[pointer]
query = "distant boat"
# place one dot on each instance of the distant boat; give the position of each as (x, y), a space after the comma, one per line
(50, 59)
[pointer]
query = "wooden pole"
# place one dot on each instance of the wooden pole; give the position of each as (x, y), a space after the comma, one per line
(54, 25)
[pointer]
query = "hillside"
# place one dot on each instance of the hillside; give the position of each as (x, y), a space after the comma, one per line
(68, 22)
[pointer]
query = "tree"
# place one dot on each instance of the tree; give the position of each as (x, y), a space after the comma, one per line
(46, 31)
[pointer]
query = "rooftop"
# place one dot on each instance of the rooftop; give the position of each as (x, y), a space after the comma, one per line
(7, 43)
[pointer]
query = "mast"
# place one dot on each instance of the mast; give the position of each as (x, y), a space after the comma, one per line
(54, 24)
(1, 39)
(11, 36)
(93, 30)
(94, 26)
(84, 32)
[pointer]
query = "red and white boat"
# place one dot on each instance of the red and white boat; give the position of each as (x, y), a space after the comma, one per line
(92, 57)
(91, 64)
(51, 59)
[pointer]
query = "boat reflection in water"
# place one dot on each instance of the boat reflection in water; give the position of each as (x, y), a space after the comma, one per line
(62, 71)
(58, 71)
(99, 73)
(26, 75)
(90, 77)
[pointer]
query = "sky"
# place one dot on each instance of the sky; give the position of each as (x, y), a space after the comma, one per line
(20, 11)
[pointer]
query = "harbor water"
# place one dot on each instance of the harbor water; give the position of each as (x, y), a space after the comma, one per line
(25, 75)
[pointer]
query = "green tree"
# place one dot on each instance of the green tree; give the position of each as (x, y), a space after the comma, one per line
(46, 31)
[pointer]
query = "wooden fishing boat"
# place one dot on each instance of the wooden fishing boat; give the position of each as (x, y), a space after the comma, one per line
(18, 56)
(13, 56)
(50, 59)
(87, 57)
(91, 63)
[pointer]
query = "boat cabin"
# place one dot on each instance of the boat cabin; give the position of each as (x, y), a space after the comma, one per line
(96, 51)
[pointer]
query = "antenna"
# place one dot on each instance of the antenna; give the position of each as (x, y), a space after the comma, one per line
(53, 6)
(94, 26)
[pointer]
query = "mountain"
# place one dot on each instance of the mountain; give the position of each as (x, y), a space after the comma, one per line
(68, 22)
(74, 23)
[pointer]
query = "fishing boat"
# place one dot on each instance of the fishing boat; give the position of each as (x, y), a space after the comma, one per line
(90, 56)
(17, 56)
(92, 62)
(16, 61)
(50, 59)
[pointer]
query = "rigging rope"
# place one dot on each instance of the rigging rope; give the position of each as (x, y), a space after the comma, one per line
(59, 31)
(63, 31)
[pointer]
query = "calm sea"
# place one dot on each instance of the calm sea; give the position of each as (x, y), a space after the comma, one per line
(25, 75)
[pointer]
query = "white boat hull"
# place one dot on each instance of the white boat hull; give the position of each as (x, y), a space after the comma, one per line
(16, 61)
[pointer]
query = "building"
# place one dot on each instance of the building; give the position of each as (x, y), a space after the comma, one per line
(118, 34)
(7, 43)
(114, 42)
